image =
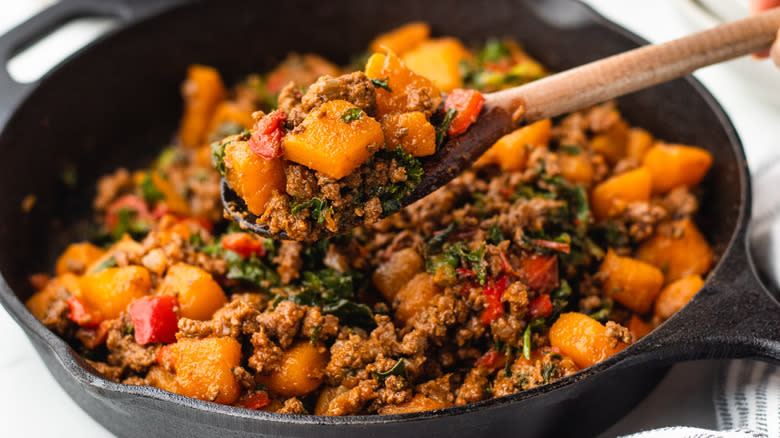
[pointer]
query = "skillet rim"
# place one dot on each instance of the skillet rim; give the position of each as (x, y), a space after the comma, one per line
(83, 373)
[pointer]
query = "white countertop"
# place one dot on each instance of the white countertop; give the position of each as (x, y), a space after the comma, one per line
(683, 398)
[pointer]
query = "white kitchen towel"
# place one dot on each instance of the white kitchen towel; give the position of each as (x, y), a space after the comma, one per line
(746, 395)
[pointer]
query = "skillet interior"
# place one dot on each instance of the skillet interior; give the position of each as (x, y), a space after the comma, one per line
(117, 103)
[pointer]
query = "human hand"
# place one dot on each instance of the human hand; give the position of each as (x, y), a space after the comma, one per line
(762, 5)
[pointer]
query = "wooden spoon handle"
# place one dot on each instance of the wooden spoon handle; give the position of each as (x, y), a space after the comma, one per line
(636, 69)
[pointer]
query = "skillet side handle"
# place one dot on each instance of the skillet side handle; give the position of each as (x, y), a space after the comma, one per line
(733, 316)
(23, 35)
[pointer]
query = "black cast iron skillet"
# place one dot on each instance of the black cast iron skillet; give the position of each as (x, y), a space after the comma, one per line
(115, 102)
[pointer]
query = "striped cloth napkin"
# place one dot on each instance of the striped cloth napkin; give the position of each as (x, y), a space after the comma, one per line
(746, 394)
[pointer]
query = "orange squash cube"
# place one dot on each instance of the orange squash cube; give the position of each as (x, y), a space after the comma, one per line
(110, 291)
(583, 339)
(411, 131)
(126, 244)
(393, 274)
(401, 39)
(202, 91)
(416, 294)
(204, 369)
(253, 178)
(198, 294)
(632, 283)
(510, 152)
(438, 60)
(638, 328)
(611, 196)
(676, 295)
(331, 145)
(410, 91)
(302, 370)
(639, 142)
(678, 249)
(231, 112)
(612, 142)
(77, 257)
(576, 168)
(675, 165)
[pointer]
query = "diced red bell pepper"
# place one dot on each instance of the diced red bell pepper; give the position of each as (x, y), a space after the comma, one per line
(493, 359)
(93, 337)
(468, 104)
(493, 291)
(466, 272)
(83, 315)
(166, 357)
(540, 307)
(130, 202)
(539, 272)
(266, 139)
(553, 245)
(255, 400)
(244, 244)
(154, 319)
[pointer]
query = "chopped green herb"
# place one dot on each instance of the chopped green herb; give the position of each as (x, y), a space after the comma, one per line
(382, 83)
(107, 263)
(317, 208)
(604, 311)
(475, 259)
(494, 51)
(129, 330)
(444, 125)
(547, 371)
(571, 149)
(218, 155)
(494, 234)
(315, 334)
(352, 114)
(533, 325)
(149, 191)
(252, 269)
(391, 194)
(127, 223)
(399, 369)
(508, 362)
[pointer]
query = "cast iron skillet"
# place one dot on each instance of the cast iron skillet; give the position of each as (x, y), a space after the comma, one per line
(115, 102)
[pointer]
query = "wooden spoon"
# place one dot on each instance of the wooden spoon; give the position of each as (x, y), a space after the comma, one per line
(568, 91)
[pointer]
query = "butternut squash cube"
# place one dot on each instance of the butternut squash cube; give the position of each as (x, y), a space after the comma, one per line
(77, 257)
(630, 282)
(611, 196)
(639, 142)
(126, 244)
(576, 168)
(198, 294)
(410, 91)
(412, 131)
(676, 165)
(202, 91)
(204, 369)
(231, 112)
(678, 249)
(438, 60)
(638, 328)
(612, 142)
(393, 274)
(302, 370)
(332, 145)
(401, 39)
(110, 291)
(676, 295)
(415, 296)
(511, 151)
(253, 178)
(583, 339)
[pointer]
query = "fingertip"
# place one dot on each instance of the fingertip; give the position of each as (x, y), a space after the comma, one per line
(776, 54)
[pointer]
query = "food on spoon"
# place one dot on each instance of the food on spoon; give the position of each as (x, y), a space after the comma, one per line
(526, 268)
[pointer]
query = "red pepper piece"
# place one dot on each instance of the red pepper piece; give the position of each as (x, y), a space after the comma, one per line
(468, 104)
(81, 314)
(539, 272)
(465, 272)
(550, 244)
(493, 291)
(154, 319)
(244, 245)
(493, 359)
(266, 139)
(540, 307)
(130, 202)
(255, 400)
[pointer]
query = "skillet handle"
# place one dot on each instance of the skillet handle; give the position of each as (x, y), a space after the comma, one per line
(12, 93)
(733, 316)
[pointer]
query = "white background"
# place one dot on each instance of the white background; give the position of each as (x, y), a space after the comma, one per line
(33, 404)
